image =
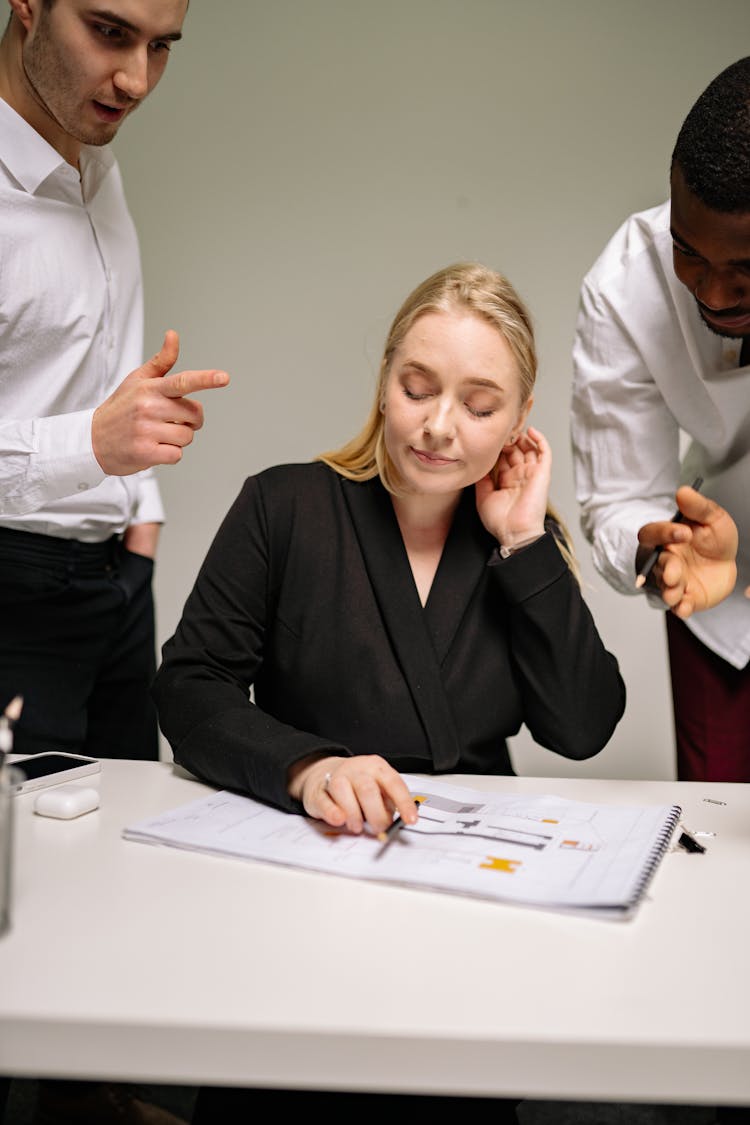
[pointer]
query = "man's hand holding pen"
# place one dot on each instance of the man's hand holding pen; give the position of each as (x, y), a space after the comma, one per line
(696, 564)
(362, 790)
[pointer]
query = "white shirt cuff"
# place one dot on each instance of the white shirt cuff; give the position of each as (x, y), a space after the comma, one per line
(65, 455)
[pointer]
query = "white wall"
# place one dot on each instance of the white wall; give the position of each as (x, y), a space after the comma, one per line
(306, 162)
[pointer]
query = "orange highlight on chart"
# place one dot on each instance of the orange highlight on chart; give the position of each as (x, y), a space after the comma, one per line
(495, 863)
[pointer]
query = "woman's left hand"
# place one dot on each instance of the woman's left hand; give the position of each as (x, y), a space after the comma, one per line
(514, 510)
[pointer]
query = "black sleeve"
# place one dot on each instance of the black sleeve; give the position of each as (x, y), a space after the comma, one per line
(573, 694)
(202, 689)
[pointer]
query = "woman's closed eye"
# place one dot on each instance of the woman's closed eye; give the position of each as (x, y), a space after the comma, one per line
(480, 411)
(416, 396)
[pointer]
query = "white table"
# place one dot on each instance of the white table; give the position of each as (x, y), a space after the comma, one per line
(127, 961)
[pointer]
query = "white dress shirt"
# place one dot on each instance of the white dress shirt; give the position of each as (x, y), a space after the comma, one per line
(658, 399)
(71, 328)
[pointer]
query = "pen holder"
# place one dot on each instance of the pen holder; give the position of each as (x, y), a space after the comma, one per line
(9, 779)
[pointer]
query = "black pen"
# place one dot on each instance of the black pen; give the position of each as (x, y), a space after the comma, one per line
(690, 844)
(647, 567)
(395, 826)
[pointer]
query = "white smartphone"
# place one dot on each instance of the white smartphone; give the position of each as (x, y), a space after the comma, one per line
(40, 770)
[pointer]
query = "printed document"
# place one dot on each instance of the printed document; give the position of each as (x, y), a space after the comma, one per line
(538, 850)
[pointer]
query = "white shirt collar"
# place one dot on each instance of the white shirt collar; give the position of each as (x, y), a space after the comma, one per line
(31, 160)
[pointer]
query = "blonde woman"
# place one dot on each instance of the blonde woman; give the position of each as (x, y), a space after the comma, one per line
(403, 604)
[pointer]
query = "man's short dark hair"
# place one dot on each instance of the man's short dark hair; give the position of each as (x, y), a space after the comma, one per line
(713, 147)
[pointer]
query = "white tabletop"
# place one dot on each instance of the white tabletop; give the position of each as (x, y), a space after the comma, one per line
(135, 962)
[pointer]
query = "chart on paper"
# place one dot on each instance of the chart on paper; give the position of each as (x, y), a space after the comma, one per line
(542, 850)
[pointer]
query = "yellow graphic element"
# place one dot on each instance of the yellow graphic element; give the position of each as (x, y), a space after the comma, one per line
(570, 844)
(419, 800)
(495, 863)
(549, 820)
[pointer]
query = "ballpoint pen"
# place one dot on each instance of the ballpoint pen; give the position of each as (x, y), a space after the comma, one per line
(394, 827)
(647, 567)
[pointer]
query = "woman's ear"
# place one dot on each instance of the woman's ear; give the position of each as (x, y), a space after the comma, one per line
(381, 396)
(521, 419)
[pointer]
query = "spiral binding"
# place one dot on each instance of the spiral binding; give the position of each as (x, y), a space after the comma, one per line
(657, 853)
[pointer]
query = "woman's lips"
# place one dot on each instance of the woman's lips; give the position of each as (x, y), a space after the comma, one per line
(434, 459)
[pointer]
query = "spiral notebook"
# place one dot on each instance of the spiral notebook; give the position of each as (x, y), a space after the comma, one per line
(542, 851)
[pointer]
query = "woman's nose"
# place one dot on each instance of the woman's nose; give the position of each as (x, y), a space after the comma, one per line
(439, 420)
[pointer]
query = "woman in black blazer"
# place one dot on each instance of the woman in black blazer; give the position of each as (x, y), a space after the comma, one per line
(404, 603)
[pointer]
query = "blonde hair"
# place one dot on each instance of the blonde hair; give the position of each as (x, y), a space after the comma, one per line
(487, 294)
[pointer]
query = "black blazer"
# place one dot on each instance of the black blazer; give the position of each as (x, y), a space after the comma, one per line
(307, 595)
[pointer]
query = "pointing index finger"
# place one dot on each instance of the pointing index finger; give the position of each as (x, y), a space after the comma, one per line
(182, 383)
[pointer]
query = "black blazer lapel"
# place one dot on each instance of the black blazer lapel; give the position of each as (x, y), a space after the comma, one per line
(404, 619)
(462, 565)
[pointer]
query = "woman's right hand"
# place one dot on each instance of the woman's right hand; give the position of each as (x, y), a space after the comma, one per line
(513, 508)
(354, 793)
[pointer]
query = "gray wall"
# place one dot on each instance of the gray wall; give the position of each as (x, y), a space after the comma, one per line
(306, 162)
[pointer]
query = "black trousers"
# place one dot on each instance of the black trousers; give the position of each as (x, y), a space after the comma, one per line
(77, 642)
(232, 1106)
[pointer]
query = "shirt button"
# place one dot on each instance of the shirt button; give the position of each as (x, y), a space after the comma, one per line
(82, 486)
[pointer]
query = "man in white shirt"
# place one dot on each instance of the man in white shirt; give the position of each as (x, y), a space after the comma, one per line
(662, 395)
(82, 419)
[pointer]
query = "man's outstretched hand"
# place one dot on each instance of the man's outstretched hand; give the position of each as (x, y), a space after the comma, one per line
(148, 420)
(696, 567)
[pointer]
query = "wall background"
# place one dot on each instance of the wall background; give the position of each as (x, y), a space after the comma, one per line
(305, 163)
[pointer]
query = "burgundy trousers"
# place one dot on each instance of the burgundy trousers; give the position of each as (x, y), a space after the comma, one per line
(711, 701)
